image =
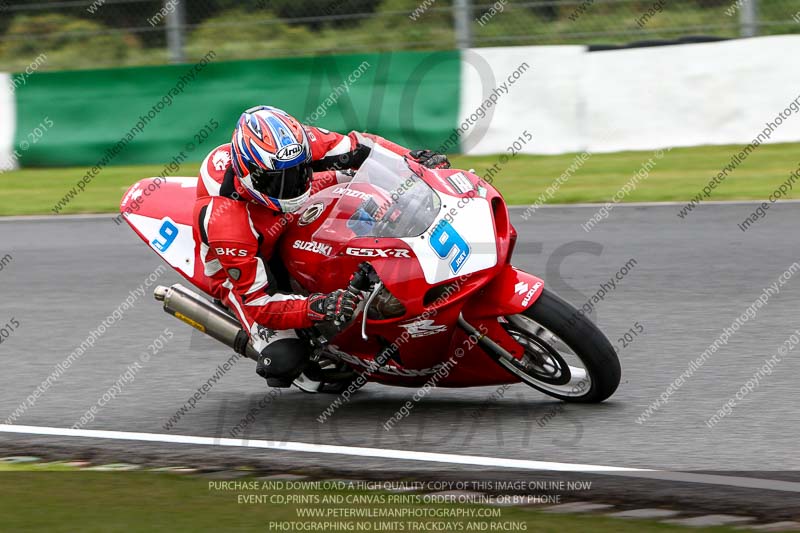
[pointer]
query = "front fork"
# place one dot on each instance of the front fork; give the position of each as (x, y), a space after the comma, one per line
(511, 292)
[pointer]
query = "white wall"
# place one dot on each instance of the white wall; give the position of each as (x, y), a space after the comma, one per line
(545, 99)
(645, 98)
(8, 122)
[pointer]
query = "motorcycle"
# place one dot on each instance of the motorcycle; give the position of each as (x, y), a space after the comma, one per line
(430, 251)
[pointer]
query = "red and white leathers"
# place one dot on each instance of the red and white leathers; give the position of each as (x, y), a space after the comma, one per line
(238, 236)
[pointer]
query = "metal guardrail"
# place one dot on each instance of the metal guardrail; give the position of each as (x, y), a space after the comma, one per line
(83, 33)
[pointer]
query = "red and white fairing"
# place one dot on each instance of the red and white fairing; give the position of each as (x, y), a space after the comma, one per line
(152, 207)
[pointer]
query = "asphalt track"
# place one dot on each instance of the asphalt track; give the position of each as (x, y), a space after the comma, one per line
(692, 278)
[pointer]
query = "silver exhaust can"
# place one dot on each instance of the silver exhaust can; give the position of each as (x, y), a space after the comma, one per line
(206, 316)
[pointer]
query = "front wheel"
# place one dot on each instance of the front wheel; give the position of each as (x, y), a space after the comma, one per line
(566, 356)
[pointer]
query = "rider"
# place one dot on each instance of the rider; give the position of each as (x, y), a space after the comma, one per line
(247, 192)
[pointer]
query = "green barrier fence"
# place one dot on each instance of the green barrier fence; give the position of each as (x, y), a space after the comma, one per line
(150, 115)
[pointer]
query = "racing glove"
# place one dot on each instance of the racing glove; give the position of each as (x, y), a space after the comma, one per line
(338, 307)
(430, 159)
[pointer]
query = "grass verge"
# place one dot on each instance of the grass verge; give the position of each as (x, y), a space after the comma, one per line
(679, 176)
(43, 498)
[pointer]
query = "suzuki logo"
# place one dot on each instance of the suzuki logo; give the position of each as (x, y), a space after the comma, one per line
(344, 191)
(313, 246)
(521, 287)
(531, 292)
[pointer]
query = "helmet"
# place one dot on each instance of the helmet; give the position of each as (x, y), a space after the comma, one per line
(271, 158)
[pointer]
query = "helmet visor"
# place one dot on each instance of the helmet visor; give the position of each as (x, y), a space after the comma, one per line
(282, 184)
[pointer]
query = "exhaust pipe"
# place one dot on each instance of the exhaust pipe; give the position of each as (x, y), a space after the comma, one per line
(205, 316)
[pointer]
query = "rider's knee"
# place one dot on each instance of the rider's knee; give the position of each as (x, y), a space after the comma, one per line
(282, 361)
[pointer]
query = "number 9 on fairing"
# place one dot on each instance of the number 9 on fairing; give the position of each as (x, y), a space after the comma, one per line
(169, 232)
(444, 239)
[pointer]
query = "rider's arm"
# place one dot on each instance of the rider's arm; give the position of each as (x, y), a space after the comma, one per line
(252, 293)
(331, 150)
(328, 178)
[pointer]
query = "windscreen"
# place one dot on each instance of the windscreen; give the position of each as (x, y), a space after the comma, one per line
(384, 199)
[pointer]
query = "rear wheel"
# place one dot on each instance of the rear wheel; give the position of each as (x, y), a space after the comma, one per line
(573, 362)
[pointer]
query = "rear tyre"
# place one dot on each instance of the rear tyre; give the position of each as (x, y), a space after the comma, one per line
(566, 355)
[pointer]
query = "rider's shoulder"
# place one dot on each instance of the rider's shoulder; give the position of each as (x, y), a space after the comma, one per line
(216, 163)
(327, 143)
(212, 171)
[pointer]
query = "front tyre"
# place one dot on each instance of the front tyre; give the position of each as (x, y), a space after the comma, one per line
(573, 361)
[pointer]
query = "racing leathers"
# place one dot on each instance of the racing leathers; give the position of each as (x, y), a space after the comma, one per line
(238, 236)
